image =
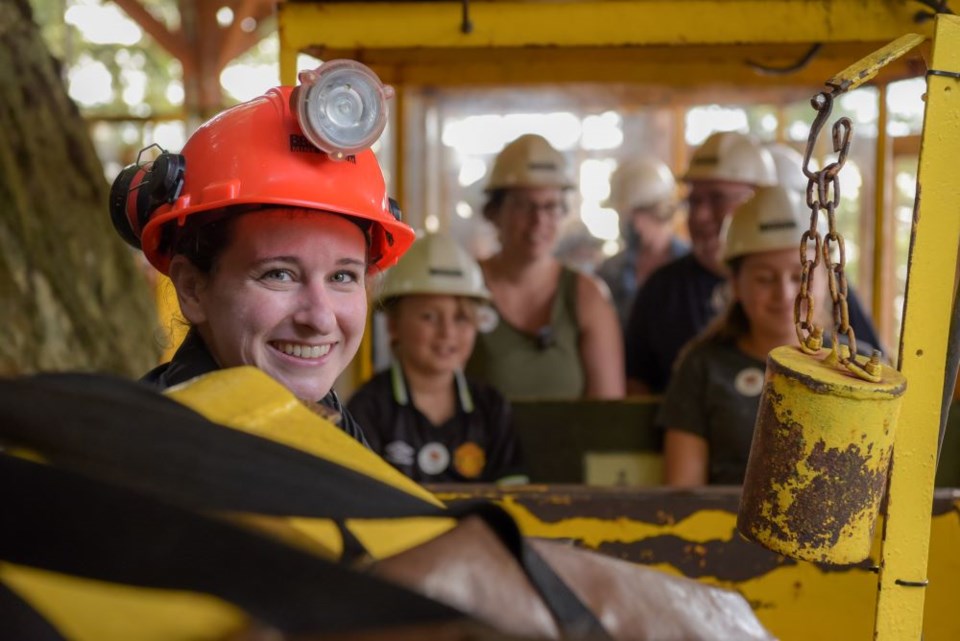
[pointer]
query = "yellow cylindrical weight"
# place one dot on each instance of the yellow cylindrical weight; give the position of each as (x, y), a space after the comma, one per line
(819, 459)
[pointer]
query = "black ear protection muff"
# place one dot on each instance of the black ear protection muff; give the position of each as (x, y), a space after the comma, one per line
(142, 187)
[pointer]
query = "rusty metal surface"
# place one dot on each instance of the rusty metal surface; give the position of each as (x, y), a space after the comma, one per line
(842, 486)
(693, 533)
(819, 458)
(721, 553)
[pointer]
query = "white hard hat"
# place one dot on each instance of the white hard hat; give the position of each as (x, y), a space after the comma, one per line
(529, 161)
(789, 165)
(734, 157)
(641, 183)
(774, 218)
(435, 264)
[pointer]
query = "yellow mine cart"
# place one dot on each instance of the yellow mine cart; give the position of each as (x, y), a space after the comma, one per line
(722, 46)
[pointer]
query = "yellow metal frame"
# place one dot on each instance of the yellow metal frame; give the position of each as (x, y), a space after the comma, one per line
(933, 262)
(611, 23)
(687, 43)
(670, 42)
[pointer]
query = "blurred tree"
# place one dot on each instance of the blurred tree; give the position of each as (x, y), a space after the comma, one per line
(71, 294)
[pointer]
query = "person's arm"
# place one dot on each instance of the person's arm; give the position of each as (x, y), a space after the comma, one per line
(601, 342)
(685, 457)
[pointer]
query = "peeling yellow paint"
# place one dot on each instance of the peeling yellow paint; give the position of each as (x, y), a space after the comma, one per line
(700, 527)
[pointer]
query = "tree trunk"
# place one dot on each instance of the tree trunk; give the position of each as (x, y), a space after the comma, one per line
(71, 294)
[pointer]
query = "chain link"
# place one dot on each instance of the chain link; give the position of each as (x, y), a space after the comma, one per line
(823, 196)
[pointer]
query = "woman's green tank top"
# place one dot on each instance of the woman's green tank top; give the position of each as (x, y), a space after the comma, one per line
(545, 365)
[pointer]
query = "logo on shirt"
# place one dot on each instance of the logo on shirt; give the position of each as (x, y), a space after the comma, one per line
(749, 381)
(433, 458)
(399, 453)
(469, 459)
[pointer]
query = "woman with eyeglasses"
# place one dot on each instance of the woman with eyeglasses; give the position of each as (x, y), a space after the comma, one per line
(557, 335)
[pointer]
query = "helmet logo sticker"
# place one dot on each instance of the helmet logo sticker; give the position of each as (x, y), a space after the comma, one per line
(469, 460)
(705, 160)
(433, 458)
(399, 453)
(749, 381)
(778, 224)
(445, 271)
(300, 143)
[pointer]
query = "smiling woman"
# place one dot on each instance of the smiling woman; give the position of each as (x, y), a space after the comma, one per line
(267, 224)
(558, 334)
(711, 403)
(287, 295)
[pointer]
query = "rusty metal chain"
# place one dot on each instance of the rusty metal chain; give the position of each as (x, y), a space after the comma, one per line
(823, 195)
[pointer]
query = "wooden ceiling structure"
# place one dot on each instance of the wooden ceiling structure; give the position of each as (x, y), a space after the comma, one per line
(202, 46)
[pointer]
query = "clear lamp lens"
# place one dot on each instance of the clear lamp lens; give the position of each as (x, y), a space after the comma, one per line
(342, 107)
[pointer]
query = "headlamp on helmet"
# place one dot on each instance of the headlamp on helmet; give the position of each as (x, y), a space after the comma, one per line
(342, 107)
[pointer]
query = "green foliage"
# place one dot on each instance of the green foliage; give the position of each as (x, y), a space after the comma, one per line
(67, 43)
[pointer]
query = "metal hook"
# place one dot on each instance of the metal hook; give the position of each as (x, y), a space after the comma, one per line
(841, 144)
(823, 104)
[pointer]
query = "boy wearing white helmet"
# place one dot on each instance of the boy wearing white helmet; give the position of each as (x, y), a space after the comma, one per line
(422, 414)
(711, 403)
(643, 191)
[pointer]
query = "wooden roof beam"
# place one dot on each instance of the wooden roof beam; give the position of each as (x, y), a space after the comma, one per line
(174, 42)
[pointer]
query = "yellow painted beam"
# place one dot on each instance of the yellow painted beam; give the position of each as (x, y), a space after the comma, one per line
(288, 64)
(933, 260)
(881, 221)
(518, 23)
(590, 67)
(692, 533)
(683, 43)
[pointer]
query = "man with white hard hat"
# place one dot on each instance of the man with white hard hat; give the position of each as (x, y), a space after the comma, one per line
(683, 296)
(643, 191)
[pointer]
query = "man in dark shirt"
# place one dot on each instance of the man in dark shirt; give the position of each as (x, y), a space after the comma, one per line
(682, 297)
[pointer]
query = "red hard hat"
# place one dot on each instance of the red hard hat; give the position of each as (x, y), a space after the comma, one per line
(256, 154)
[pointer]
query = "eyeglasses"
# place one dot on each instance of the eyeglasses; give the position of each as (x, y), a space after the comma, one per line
(553, 209)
